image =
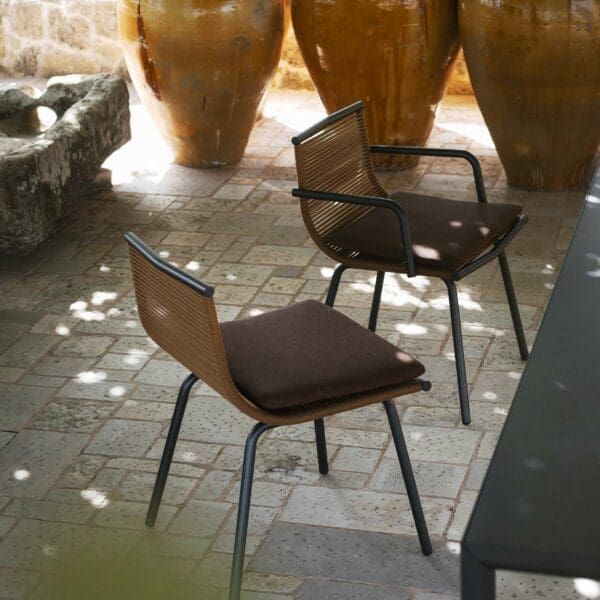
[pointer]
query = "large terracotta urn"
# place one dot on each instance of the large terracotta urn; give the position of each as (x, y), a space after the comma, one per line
(201, 67)
(535, 70)
(396, 55)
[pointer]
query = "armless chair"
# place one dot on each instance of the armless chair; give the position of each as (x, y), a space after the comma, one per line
(357, 223)
(293, 365)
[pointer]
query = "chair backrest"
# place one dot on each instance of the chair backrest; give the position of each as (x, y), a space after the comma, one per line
(334, 156)
(178, 313)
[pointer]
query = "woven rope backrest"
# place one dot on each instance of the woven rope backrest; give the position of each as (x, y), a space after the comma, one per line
(336, 159)
(183, 322)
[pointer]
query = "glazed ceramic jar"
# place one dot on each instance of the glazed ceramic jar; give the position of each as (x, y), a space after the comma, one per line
(396, 55)
(201, 67)
(535, 70)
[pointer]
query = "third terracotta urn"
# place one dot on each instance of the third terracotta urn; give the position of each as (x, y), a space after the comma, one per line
(201, 67)
(535, 70)
(396, 55)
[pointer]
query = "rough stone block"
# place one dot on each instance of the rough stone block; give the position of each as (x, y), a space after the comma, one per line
(43, 174)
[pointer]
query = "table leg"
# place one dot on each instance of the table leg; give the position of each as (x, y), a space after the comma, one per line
(477, 580)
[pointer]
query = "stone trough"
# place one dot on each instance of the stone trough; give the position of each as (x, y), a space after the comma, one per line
(51, 149)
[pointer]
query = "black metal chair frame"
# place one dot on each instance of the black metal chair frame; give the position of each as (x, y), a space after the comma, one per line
(496, 252)
(254, 436)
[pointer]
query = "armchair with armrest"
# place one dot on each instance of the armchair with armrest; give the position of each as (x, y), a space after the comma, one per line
(357, 223)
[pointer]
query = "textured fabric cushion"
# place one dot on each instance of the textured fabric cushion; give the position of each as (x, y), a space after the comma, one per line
(445, 233)
(310, 352)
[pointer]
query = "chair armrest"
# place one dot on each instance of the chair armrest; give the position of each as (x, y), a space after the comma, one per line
(444, 152)
(370, 201)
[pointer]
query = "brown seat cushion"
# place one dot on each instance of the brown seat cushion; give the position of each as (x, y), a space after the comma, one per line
(445, 233)
(310, 352)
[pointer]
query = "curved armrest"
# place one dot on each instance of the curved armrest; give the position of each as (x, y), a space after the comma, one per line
(370, 201)
(444, 152)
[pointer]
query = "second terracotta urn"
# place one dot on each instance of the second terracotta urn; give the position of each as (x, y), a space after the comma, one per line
(201, 67)
(396, 55)
(535, 70)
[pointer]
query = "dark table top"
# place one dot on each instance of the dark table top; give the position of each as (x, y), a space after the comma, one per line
(539, 506)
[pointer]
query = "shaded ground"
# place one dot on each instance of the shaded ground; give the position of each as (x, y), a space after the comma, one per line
(86, 398)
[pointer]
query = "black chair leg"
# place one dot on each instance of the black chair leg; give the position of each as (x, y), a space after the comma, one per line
(167, 457)
(321, 447)
(409, 478)
(459, 354)
(376, 301)
(241, 530)
(335, 284)
(514, 306)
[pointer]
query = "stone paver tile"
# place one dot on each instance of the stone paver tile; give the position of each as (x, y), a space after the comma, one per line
(337, 590)
(145, 411)
(40, 544)
(433, 479)
(478, 470)
(164, 544)
(488, 444)
(10, 374)
(279, 255)
(84, 345)
(356, 556)
(6, 524)
(522, 585)
(264, 493)
(213, 486)
(238, 274)
(261, 519)
(96, 390)
(162, 372)
(128, 362)
(26, 351)
(33, 460)
(15, 585)
(81, 471)
(225, 543)
(215, 421)
(489, 416)
(238, 224)
(362, 460)
(72, 415)
(27, 508)
(134, 345)
(342, 436)
(64, 366)
(495, 386)
(438, 444)
(187, 239)
(343, 479)
(187, 452)
(124, 438)
(200, 518)
(131, 515)
(42, 381)
(264, 582)
(427, 415)
(138, 487)
(462, 515)
(288, 461)
(355, 509)
(55, 325)
(18, 403)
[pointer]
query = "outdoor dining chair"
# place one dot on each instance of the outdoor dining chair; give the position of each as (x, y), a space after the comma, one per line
(293, 365)
(356, 222)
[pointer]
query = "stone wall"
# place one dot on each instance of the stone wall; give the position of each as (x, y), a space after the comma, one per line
(56, 37)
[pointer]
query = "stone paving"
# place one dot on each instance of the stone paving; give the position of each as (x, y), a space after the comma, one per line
(86, 398)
